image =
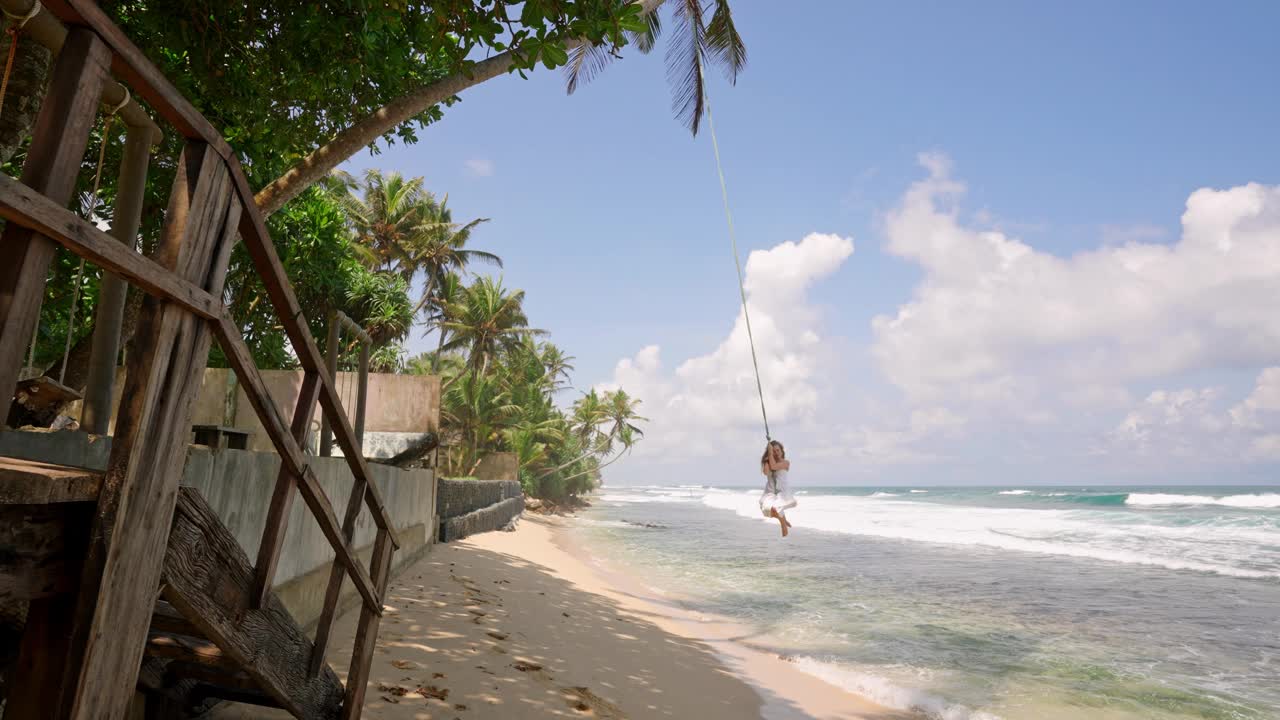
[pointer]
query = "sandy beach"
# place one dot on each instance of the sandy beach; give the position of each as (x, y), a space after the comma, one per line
(517, 625)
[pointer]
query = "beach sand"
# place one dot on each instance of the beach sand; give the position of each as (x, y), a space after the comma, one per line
(517, 625)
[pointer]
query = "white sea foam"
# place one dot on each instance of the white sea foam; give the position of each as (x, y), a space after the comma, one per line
(919, 491)
(1224, 547)
(883, 494)
(1260, 500)
(887, 693)
(1014, 492)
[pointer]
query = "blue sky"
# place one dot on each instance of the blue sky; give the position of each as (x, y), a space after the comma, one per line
(1074, 129)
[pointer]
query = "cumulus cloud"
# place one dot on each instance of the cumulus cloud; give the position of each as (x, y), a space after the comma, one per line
(712, 396)
(998, 321)
(1002, 355)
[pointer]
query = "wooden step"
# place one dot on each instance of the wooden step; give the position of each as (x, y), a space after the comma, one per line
(208, 580)
(25, 482)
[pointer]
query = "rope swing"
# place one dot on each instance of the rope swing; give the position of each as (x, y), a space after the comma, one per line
(737, 262)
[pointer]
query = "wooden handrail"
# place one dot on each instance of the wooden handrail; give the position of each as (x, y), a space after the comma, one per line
(210, 205)
(28, 208)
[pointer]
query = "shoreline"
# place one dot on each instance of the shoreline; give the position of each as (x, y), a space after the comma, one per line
(785, 691)
(520, 625)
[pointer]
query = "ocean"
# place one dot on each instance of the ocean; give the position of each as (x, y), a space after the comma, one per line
(1032, 603)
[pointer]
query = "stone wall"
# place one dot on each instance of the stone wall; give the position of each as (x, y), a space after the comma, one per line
(238, 485)
(467, 507)
(487, 519)
(459, 497)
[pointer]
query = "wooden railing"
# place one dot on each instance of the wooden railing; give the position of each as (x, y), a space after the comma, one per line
(210, 205)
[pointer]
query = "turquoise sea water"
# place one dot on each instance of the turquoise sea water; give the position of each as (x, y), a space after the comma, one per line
(979, 603)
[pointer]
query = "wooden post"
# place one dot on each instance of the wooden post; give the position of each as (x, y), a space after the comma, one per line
(331, 347)
(362, 393)
(273, 532)
(121, 575)
(366, 632)
(57, 147)
(125, 220)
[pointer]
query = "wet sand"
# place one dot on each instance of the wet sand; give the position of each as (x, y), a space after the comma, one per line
(517, 625)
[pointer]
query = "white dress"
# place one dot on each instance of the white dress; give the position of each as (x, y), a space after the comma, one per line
(777, 494)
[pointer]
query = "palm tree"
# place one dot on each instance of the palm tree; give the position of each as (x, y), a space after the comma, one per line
(390, 216)
(448, 297)
(477, 409)
(441, 249)
(557, 364)
(620, 409)
(589, 413)
(695, 42)
(487, 319)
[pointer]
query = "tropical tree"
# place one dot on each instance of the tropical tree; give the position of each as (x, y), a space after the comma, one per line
(487, 319)
(441, 250)
(389, 214)
(550, 33)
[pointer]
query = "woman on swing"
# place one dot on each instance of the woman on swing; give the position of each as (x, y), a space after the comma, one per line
(777, 497)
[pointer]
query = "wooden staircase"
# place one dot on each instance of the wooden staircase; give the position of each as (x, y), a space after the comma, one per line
(132, 582)
(205, 642)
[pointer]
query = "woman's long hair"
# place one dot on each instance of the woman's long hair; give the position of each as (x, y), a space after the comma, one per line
(772, 444)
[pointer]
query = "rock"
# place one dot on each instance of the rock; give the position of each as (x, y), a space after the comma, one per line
(532, 504)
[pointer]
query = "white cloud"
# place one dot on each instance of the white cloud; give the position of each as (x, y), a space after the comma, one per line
(709, 402)
(479, 167)
(997, 321)
(1003, 358)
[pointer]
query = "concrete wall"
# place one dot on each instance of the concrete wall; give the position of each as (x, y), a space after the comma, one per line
(238, 485)
(498, 466)
(400, 408)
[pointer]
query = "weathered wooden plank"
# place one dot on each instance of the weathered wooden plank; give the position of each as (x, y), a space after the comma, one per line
(38, 674)
(208, 579)
(58, 143)
(178, 671)
(277, 524)
(22, 206)
(123, 563)
(166, 619)
(291, 457)
(40, 549)
(366, 634)
(276, 282)
(188, 649)
(26, 482)
(131, 65)
(333, 591)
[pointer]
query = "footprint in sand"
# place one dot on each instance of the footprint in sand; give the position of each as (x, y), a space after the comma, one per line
(590, 704)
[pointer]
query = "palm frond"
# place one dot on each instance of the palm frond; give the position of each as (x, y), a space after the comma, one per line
(585, 62)
(724, 42)
(646, 41)
(685, 58)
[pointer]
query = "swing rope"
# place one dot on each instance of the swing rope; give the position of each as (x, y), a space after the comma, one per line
(16, 23)
(742, 292)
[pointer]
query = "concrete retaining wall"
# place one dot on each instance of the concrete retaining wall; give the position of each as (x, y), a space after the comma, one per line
(399, 410)
(486, 519)
(499, 466)
(238, 485)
